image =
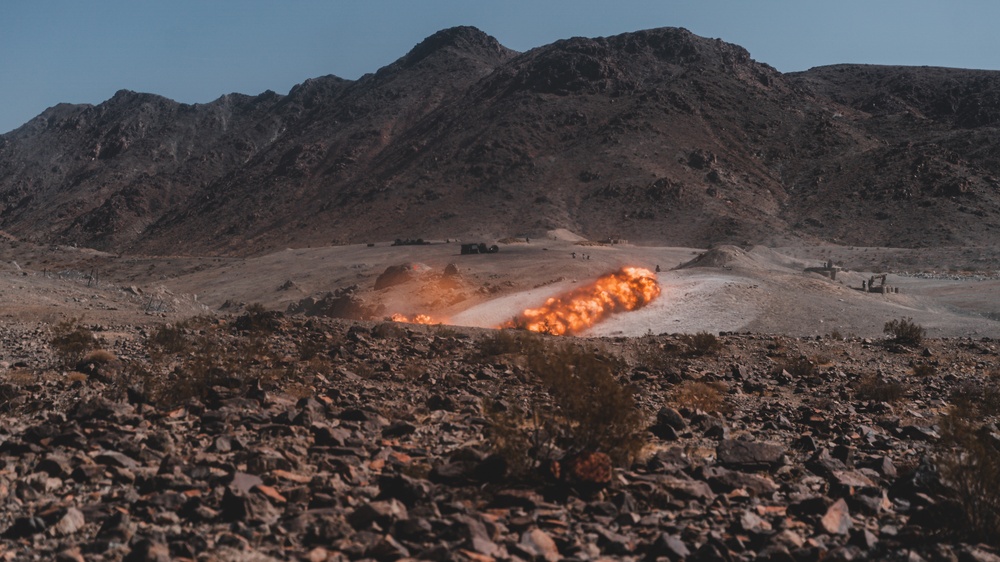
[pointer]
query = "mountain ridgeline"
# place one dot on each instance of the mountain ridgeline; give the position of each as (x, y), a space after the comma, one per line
(657, 136)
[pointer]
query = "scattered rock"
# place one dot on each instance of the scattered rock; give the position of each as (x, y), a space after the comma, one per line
(837, 520)
(749, 455)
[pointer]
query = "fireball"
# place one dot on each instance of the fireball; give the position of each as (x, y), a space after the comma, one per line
(417, 319)
(629, 288)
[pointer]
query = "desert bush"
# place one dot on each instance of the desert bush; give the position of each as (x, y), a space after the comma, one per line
(99, 363)
(505, 342)
(822, 360)
(577, 406)
(519, 435)
(186, 363)
(596, 413)
(413, 370)
(656, 358)
(99, 356)
(702, 343)
(924, 370)
(836, 335)
(258, 320)
(310, 348)
(800, 367)
(977, 399)
(444, 331)
(177, 338)
(873, 387)
(167, 338)
(71, 341)
(698, 395)
(905, 332)
(969, 464)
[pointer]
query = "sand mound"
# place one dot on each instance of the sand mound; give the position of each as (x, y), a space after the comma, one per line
(564, 235)
(725, 257)
(756, 258)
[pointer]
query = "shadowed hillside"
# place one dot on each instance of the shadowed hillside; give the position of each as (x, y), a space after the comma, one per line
(656, 136)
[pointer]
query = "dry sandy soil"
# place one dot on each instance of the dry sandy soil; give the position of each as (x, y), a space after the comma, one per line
(731, 289)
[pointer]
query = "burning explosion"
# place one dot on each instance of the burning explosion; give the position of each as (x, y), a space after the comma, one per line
(417, 319)
(629, 288)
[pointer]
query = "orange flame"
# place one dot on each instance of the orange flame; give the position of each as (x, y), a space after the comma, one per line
(418, 319)
(629, 288)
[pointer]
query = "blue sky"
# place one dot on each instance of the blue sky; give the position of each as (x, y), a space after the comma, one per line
(193, 51)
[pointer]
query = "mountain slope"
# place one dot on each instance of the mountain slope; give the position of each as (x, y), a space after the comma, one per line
(657, 135)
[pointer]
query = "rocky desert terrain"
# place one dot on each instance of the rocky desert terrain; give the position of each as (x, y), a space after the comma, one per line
(223, 419)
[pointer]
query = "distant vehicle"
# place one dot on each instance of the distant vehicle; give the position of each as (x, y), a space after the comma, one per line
(479, 248)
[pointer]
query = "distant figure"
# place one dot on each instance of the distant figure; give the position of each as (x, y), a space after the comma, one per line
(574, 255)
(526, 241)
(864, 285)
(657, 268)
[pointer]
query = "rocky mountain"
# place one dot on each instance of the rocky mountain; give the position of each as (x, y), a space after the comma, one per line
(657, 136)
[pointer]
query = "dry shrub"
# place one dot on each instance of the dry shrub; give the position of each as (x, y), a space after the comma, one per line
(597, 413)
(101, 364)
(187, 362)
(905, 332)
(256, 320)
(873, 387)
(657, 358)
(577, 407)
(172, 339)
(822, 360)
(21, 377)
(414, 370)
(443, 331)
(977, 398)
(319, 365)
(310, 349)
(99, 357)
(505, 342)
(924, 370)
(700, 344)
(71, 341)
(167, 338)
(969, 463)
(800, 367)
(516, 433)
(697, 395)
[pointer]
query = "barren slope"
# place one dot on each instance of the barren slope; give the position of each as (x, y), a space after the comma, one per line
(657, 136)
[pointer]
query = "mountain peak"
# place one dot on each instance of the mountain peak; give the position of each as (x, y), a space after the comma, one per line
(466, 40)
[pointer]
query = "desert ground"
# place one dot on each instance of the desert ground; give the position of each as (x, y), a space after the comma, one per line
(801, 432)
(756, 289)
